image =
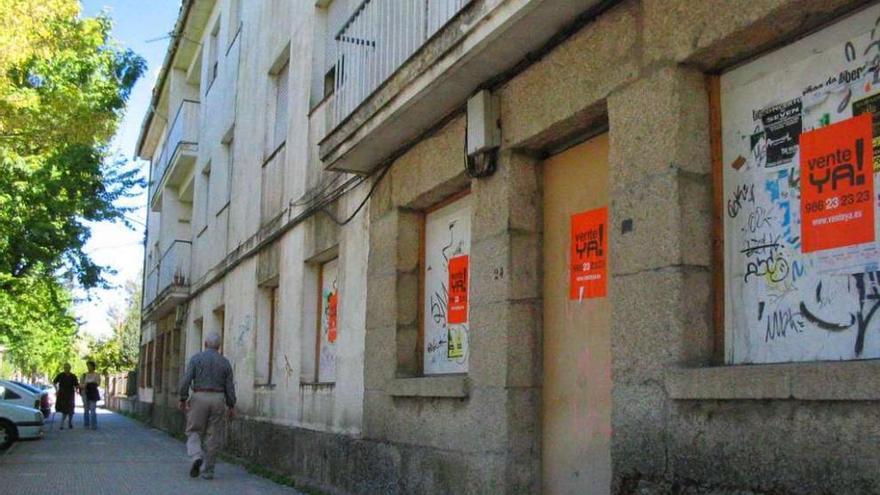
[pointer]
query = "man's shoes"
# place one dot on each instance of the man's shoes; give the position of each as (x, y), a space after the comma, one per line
(62, 427)
(195, 468)
(207, 476)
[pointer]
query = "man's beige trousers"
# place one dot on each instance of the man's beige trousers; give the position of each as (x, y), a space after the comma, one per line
(205, 416)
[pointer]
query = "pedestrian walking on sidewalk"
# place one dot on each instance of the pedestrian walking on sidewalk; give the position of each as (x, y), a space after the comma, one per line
(65, 397)
(213, 395)
(91, 395)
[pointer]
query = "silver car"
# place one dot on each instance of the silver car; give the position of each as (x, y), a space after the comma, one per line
(18, 422)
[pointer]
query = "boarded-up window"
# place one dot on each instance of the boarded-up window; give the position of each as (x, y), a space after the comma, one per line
(272, 186)
(281, 96)
(268, 307)
(800, 141)
(142, 368)
(445, 277)
(149, 365)
(220, 324)
(160, 361)
(199, 336)
(328, 321)
(234, 19)
(213, 54)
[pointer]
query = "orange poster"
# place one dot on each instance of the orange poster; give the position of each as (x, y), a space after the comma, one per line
(837, 185)
(458, 290)
(589, 254)
(332, 309)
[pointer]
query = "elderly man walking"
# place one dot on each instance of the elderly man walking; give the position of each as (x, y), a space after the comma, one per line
(213, 394)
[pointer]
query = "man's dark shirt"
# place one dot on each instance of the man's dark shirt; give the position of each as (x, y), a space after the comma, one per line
(209, 370)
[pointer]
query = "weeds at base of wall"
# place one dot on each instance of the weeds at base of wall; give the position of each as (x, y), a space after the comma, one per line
(271, 475)
(142, 418)
(250, 467)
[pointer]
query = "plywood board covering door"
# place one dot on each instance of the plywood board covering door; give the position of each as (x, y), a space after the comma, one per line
(576, 405)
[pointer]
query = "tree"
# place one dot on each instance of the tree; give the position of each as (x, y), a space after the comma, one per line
(44, 327)
(120, 352)
(63, 88)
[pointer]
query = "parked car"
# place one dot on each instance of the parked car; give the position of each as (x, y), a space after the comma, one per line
(46, 401)
(18, 422)
(25, 395)
(50, 391)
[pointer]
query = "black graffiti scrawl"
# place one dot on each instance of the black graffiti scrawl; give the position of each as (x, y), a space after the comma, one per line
(867, 289)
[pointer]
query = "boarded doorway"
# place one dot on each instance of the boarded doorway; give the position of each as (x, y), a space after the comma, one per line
(576, 408)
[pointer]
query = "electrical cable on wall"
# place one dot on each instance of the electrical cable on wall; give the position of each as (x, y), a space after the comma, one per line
(363, 202)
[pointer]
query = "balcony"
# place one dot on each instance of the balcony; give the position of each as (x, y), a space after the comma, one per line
(179, 153)
(167, 284)
(376, 40)
(403, 65)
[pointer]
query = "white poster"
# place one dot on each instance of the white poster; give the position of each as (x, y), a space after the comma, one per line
(447, 238)
(800, 206)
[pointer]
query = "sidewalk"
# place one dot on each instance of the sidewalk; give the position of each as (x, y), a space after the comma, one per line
(121, 457)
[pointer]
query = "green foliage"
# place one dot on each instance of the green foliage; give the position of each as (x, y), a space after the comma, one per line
(63, 88)
(62, 94)
(120, 352)
(36, 325)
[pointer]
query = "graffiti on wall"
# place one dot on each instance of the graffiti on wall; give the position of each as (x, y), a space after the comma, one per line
(801, 254)
(446, 279)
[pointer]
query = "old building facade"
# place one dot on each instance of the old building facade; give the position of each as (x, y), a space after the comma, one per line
(523, 246)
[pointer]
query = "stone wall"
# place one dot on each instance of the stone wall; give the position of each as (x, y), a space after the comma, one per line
(641, 70)
(643, 66)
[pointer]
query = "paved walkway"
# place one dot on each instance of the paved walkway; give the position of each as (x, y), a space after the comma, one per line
(121, 457)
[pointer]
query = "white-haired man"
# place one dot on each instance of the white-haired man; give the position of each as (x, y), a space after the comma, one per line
(213, 393)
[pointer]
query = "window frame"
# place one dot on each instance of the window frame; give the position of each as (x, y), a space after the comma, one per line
(422, 221)
(319, 319)
(212, 68)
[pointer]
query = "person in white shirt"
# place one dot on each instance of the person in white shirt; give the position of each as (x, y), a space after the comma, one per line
(89, 384)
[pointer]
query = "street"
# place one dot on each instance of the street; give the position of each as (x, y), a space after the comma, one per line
(122, 456)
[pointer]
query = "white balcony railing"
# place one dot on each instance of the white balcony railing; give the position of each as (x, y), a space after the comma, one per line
(184, 130)
(173, 271)
(378, 37)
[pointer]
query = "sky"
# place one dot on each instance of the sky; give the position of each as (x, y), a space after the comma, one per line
(142, 26)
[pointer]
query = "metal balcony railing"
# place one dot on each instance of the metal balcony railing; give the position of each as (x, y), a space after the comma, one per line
(378, 37)
(184, 130)
(174, 266)
(173, 271)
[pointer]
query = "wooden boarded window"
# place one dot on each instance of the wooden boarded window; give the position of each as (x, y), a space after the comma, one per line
(266, 335)
(445, 271)
(149, 371)
(797, 153)
(328, 321)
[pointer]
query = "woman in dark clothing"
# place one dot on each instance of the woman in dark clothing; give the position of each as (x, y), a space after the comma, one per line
(66, 384)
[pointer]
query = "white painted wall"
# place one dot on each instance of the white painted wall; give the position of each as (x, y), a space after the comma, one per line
(239, 104)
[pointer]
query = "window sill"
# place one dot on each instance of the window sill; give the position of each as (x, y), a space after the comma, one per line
(316, 386)
(818, 381)
(202, 231)
(234, 38)
(274, 153)
(222, 209)
(452, 386)
(264, 386)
